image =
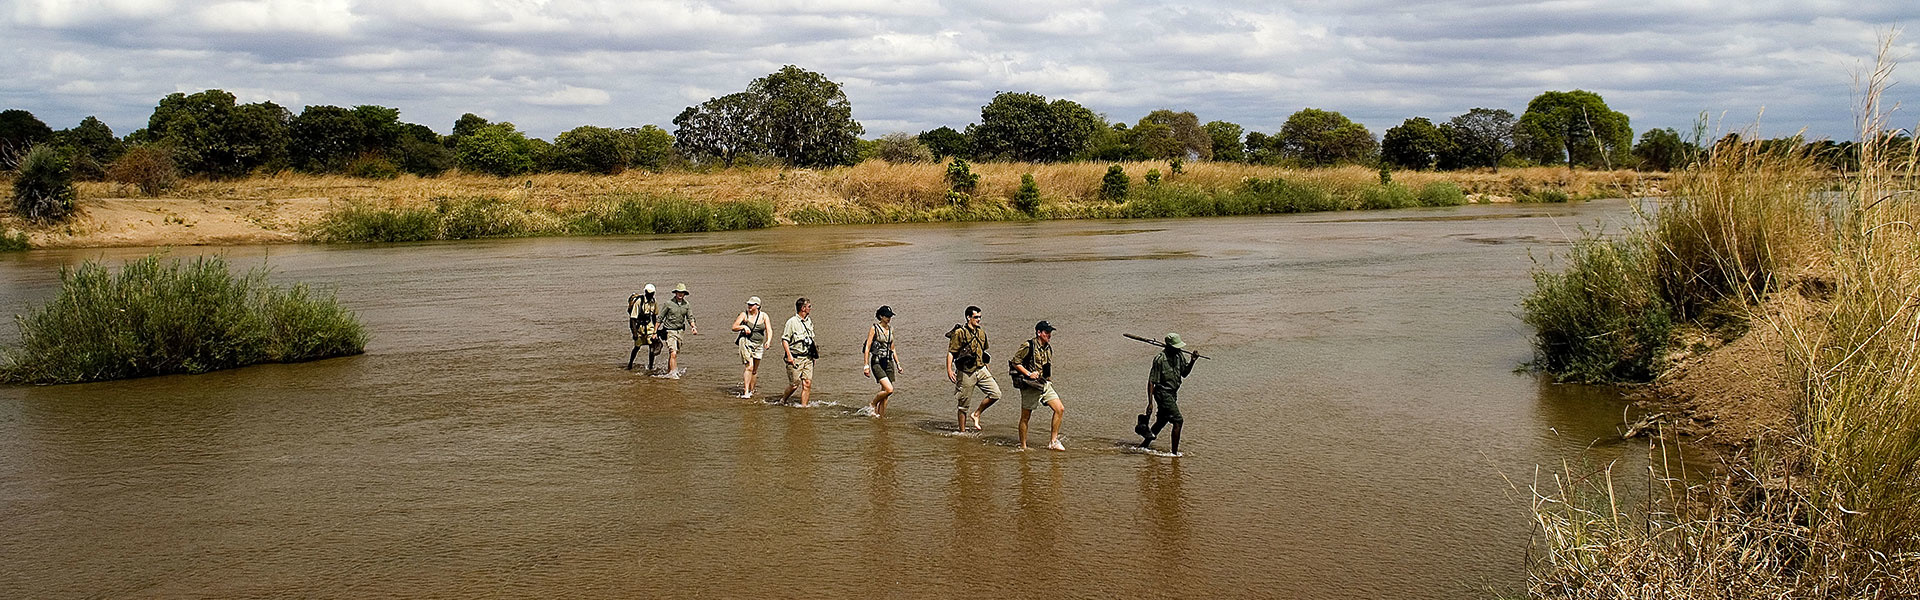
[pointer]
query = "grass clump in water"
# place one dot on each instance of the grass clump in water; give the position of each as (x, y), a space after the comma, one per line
(14, 241)
(158, 317)
(1600, 319)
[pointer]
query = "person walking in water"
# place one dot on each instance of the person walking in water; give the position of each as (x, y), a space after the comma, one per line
(643, 317)
(796, 339)
(752, 326)
(967, 368)
(1032, 372)
(1172, 364)
(883, 365)
(676, 320)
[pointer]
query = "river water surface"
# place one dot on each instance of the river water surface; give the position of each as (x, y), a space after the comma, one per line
(1359, 433)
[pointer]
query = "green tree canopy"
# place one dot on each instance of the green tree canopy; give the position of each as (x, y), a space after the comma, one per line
(93, 139)
(1575, 128)
(325, 138)
(945, 141)
(1479, 138)
(1323, 137)
(725, 128)
(1164, 134)
(588, 149)
(1663, 150)
(1415, 144)
(20, 131)
(805, 118)
(1226, 138)
(647, 147)
(209, 134)
(496, 149)
(1026, 127)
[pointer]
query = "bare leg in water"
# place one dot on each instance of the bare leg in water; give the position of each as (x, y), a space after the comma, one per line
(880, 400)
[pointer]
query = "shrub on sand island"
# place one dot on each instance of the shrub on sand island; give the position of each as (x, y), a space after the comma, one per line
(156, 317)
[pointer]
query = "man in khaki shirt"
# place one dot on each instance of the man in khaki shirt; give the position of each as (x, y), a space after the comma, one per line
(967, 368)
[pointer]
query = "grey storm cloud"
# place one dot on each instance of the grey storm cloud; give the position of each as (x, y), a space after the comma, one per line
(912, 65)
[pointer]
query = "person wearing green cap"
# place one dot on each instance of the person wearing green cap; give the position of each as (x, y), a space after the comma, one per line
(675, 318)
(1163, 388)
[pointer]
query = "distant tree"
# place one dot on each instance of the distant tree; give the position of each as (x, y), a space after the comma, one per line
(44, 189)
(725, 128)
(648, 147)
(1116, 142)
(1183, 136)
(805, 118)
(325, 138)
(945, 142)
(1262, 148)
(588, 149)
(497, 149)
(1322, 137)
(1415, 144)
(211, 135)
(422, 157)
(1575, 128)
(1226, 139)
(1113, 186)
(1025, 127)
(1663, 150)
(20, 131)
(147, 167)
(466, 125)
(900, 147)
(380, 129)
(1479, 138)
(93, 139)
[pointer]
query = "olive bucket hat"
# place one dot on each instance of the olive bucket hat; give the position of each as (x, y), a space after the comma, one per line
(1173, 339)
(681, 289)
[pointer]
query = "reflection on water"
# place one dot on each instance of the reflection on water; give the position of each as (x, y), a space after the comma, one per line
(1354, 438)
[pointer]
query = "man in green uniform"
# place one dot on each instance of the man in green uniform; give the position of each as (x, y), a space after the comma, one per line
(967, 368)
(1032, 371)
(643, 317)
(1163, 388)
(676, 319)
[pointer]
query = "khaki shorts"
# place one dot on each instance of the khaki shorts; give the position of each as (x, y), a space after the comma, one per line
(750, 351)
(980, 378)
(673, 340)
(800, 370)
(1031, 398)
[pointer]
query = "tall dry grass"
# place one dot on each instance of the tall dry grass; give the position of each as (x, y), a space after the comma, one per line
(1832, 508)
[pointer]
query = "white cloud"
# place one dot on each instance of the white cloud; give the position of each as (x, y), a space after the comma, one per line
(571, 96)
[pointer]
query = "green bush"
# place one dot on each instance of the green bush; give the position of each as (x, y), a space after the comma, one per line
(1441, 193)
(358, 222)
(1601, 319)
(14, 241)
(646, 214)
(473, 218)
(159, 318)
(424, 158)
(1390, 195)
(496, 149)
(1027, 198)
(1275, 196)
(1170, 201)
(373, 167)
(1153, 177)
(1113, 185)
(44, 189)
(148, 167)
(960, 178)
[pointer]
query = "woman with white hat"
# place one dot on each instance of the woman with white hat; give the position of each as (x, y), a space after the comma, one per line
(752, 327)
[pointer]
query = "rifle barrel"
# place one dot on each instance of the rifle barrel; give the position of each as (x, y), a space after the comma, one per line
(1163, 345)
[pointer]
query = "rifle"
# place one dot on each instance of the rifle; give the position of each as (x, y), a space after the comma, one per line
(1163, 345)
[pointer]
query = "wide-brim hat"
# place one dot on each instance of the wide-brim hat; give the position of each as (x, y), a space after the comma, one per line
(1173, 339)
(681, 289)
(753, 300)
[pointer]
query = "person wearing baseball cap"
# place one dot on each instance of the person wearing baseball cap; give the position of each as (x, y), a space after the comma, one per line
(643, 313)
(752, 326)
(1032, 372)
(676, 319)
(883, 365)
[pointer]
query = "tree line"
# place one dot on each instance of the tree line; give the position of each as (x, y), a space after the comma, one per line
(801, 118)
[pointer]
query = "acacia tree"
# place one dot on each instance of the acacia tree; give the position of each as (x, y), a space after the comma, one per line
(1026, 127)
(1480, 138)
(1323, 137)
(1576, 128)
(806, 118)
(1415, 144)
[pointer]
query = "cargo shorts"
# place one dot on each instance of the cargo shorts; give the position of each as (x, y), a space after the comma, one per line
(980, 378)
(1031, 398)
(800, 370)
(673, 340)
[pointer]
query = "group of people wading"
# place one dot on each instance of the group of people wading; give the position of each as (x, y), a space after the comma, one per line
(662, 326)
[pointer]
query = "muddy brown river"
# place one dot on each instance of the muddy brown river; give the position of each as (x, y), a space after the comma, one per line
(1359, 433)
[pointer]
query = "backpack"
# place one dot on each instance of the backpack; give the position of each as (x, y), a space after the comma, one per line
(1021, 381)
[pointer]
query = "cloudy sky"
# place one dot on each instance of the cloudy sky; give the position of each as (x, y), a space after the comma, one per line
(911, 65)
